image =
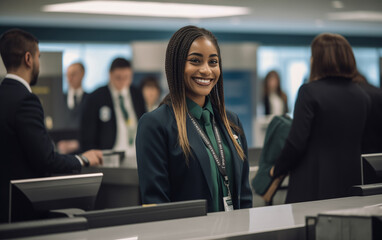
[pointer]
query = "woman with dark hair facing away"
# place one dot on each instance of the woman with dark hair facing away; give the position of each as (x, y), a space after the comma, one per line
(190, 147)
(322, 151)
(274, 99)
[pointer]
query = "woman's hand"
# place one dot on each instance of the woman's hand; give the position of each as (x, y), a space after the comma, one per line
(271, 171)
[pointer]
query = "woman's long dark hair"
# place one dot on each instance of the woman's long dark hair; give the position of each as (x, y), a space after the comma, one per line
(332, 56)
(176, 56)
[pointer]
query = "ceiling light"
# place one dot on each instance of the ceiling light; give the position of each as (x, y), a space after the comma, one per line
(148, 9)
(337, 4)
(357, 16)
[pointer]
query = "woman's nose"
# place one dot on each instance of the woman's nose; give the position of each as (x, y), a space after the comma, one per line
(205, 69)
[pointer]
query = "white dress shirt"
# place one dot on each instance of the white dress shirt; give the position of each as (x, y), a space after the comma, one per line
(19, 79)
(276, 103)
(74, 92)
(124, 130)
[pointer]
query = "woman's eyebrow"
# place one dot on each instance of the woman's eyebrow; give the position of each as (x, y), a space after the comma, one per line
(196, 54)
(201, 55)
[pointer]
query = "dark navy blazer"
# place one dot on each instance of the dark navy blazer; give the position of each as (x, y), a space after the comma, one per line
(163, 173)
(98, 133)
(25, 147)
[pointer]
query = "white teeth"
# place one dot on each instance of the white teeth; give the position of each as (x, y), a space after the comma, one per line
(201, 80)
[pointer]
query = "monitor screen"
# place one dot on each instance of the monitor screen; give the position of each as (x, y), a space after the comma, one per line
(371, 168)
(40, 195)
(145, 213)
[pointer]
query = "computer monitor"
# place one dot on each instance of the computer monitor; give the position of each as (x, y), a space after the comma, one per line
(371, 168)
(33, 198)
(145, 213)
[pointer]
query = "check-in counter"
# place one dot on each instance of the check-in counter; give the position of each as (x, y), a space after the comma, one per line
(272, 222)
(119, 188)
(120, 185)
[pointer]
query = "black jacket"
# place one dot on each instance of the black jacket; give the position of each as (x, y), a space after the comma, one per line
(163, 173)
(372, 142)
(322, 151)
(25, 147)
(97, 130)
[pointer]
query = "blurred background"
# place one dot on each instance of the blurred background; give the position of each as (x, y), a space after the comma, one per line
(256, 36)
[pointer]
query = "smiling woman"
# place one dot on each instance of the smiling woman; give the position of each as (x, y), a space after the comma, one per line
(191, 147)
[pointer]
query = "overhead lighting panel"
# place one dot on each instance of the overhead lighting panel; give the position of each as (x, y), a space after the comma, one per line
(356, 16)
(148, 9)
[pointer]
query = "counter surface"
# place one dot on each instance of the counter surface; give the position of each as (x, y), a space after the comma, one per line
(245, 222)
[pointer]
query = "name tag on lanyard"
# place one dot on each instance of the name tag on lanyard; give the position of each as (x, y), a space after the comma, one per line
(228, 205)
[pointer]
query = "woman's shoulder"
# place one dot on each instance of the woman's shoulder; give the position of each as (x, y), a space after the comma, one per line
(310, 85)
(233, 117)
(309, 89)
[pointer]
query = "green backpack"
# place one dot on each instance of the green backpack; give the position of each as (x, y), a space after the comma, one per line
(275, 137)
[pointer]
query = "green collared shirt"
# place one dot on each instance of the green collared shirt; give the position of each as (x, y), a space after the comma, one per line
(219, 189)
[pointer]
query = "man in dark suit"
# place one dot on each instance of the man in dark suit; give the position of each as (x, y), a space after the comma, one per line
(111, 113)
(26, 150)
(72, 108)
(75, 97)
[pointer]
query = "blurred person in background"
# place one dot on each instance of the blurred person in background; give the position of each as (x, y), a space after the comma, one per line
(174, 163)
(274, 99)
(111, 113)
(322, 151)
(74, 101)
(76, 96)
(151, 92)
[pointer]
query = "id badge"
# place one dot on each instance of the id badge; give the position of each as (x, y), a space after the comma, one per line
(228, 206)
